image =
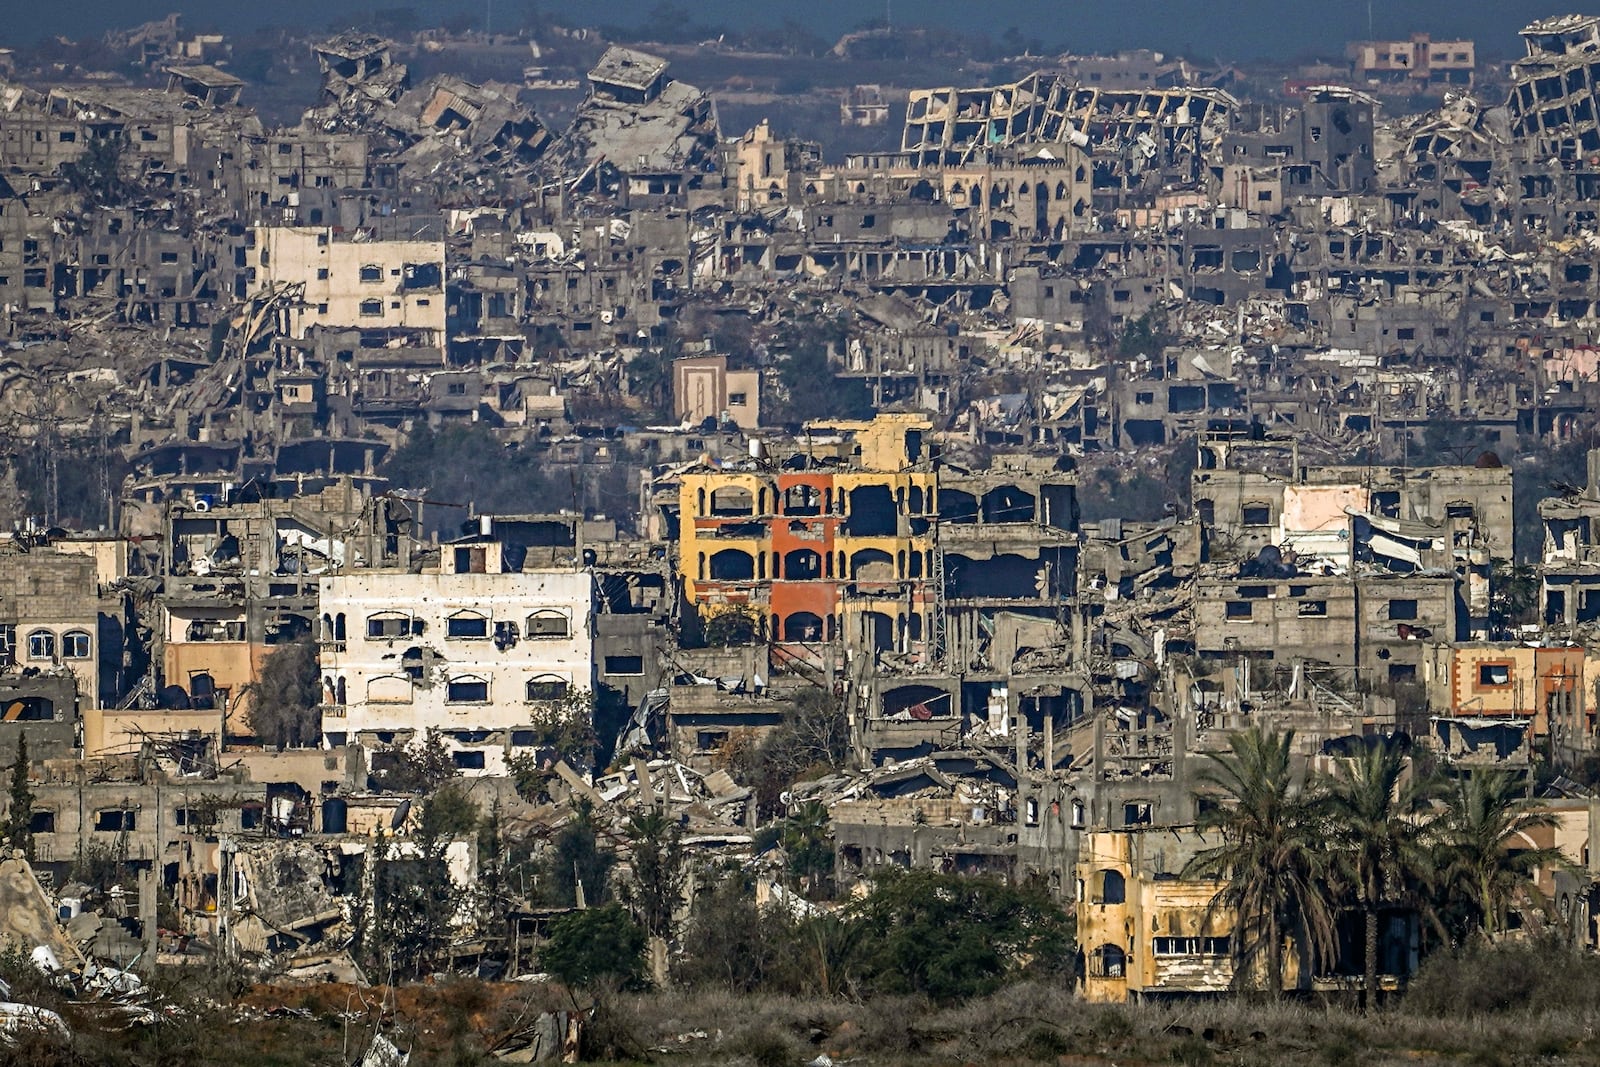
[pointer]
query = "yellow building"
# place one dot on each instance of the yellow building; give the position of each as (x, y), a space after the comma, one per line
(1143, 929)
(836, 542)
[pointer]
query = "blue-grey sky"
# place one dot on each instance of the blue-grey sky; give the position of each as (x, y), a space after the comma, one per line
(1239, 29)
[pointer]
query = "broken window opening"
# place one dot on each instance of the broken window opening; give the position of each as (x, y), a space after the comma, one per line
(732, 565)
(116, 820)
(624, 665)
(547, 688)
(467, 690)
(548, 623)
(386, 625)
(467, 625)
(1108, 961)
(1494, 675)
(41, 645)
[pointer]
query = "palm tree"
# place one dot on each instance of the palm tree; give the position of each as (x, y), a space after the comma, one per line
(1377, 824)
(1488, 810)
(1272, 859)
(659, 872)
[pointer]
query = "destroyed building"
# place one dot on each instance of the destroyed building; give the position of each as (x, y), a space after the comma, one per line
(1344, 314)
(641, 137)
(474, 652)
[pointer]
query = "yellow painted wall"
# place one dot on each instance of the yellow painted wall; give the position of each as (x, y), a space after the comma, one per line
(1151, 908)
(107, 731)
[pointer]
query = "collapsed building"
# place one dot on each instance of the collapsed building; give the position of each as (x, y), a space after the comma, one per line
(1315, 300)
(640, 136)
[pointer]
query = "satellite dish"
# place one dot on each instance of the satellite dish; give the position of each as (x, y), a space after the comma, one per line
(398, 819)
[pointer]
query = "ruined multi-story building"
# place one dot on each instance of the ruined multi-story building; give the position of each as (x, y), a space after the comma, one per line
(481, 652)
(63, 639)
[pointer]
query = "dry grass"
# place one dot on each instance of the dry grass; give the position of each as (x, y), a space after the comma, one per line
(460, 1021)
(1036, 1024)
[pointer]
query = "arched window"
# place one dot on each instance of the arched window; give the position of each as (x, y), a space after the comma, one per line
(732, 500)
(1113, 888)
(1108, 961)
(467, 689)
(802, 500)
(371, 272)
(872, 565)
(41, 645)
(76, 644)
(547, 687)
(802, 626)
(803, 564)
(548, 622)
(389, 689)
(466, 625)
(385, 625)
(202, 691)
(732, 565)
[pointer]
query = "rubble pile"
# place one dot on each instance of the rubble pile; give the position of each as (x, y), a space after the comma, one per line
(944, 506)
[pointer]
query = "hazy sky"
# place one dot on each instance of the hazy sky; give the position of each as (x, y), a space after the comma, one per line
(1240, 29)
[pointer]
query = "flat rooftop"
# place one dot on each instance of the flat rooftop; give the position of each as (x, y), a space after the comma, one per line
(628, 68)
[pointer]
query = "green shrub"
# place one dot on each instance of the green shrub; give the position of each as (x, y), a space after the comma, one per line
(596, 947)
(1484, 979)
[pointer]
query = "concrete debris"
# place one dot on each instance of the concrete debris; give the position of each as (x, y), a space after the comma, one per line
(19, 1019)
(383, 1053)
(555, 1037)
(976, 487)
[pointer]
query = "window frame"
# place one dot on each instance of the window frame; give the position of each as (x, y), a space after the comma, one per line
(474, 680)
(467, 615)
(562, 689)
(1484, 666)
(77, 637)
(42, 638)
(533, 632)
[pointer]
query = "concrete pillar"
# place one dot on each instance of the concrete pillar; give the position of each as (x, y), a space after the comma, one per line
(147, 910)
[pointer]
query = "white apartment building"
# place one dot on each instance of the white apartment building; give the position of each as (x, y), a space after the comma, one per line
(469, 652)
(351, 283)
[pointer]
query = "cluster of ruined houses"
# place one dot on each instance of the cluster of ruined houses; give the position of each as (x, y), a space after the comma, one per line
(257, 316)
(434, 252)
(1026, 694)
